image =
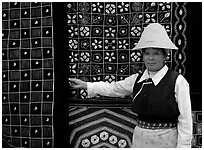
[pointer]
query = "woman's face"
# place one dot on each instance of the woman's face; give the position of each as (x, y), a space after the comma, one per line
(153, 58)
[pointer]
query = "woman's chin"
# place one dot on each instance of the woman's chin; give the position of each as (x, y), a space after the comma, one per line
(153, 68)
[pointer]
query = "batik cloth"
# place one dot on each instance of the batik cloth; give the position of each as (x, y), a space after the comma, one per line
(28, 74)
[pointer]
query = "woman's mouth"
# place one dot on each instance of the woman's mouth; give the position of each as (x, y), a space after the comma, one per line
(151, 64)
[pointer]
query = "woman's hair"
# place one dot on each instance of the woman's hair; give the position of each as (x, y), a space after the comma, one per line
(163, 50)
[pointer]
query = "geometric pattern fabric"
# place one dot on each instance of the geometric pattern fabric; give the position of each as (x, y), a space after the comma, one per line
(27, 74)
(93, 127)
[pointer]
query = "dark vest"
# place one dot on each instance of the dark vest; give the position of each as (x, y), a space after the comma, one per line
(156, 103)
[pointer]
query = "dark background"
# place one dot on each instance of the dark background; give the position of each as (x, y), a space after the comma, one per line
(193, 52)
(62, 92)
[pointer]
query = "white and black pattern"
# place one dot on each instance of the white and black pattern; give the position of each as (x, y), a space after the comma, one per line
(27, 74)
(103, 34)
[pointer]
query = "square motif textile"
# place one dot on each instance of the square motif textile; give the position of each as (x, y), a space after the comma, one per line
(102, 35)
(27, 74)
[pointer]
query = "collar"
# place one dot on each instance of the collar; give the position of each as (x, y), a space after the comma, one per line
(157, 77)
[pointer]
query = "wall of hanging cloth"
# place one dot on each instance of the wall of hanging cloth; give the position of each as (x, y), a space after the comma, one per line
(28, 79)
(30, 83)
(44, 43)
(101, 36)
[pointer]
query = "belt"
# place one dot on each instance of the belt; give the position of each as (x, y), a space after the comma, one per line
(146, 125)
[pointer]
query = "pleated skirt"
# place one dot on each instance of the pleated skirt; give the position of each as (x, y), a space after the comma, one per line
(157, 138)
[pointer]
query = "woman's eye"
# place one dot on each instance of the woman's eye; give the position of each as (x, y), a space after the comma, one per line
(156, 53)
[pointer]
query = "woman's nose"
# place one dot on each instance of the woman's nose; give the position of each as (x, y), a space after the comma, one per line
(151, 57)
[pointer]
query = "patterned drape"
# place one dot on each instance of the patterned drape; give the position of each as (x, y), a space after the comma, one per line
(27, 74)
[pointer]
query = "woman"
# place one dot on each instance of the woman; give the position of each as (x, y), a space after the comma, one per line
(161, 96)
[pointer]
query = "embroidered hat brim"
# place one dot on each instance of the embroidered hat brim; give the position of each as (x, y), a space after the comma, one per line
(155, 36)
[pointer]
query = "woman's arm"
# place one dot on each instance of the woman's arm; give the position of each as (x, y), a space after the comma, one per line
(185, 125)
(114, 89)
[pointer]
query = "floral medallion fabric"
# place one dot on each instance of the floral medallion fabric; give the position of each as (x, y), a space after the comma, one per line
(102, 34)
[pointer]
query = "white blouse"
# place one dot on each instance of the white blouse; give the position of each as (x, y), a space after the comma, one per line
(125, 88)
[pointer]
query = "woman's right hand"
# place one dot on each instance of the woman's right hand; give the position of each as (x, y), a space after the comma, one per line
(77, 83)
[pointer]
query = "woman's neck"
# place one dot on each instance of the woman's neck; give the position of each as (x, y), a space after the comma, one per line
(151, 73)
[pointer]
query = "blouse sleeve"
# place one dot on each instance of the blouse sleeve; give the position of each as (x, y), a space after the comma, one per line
(114, 89)
(182, 94)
